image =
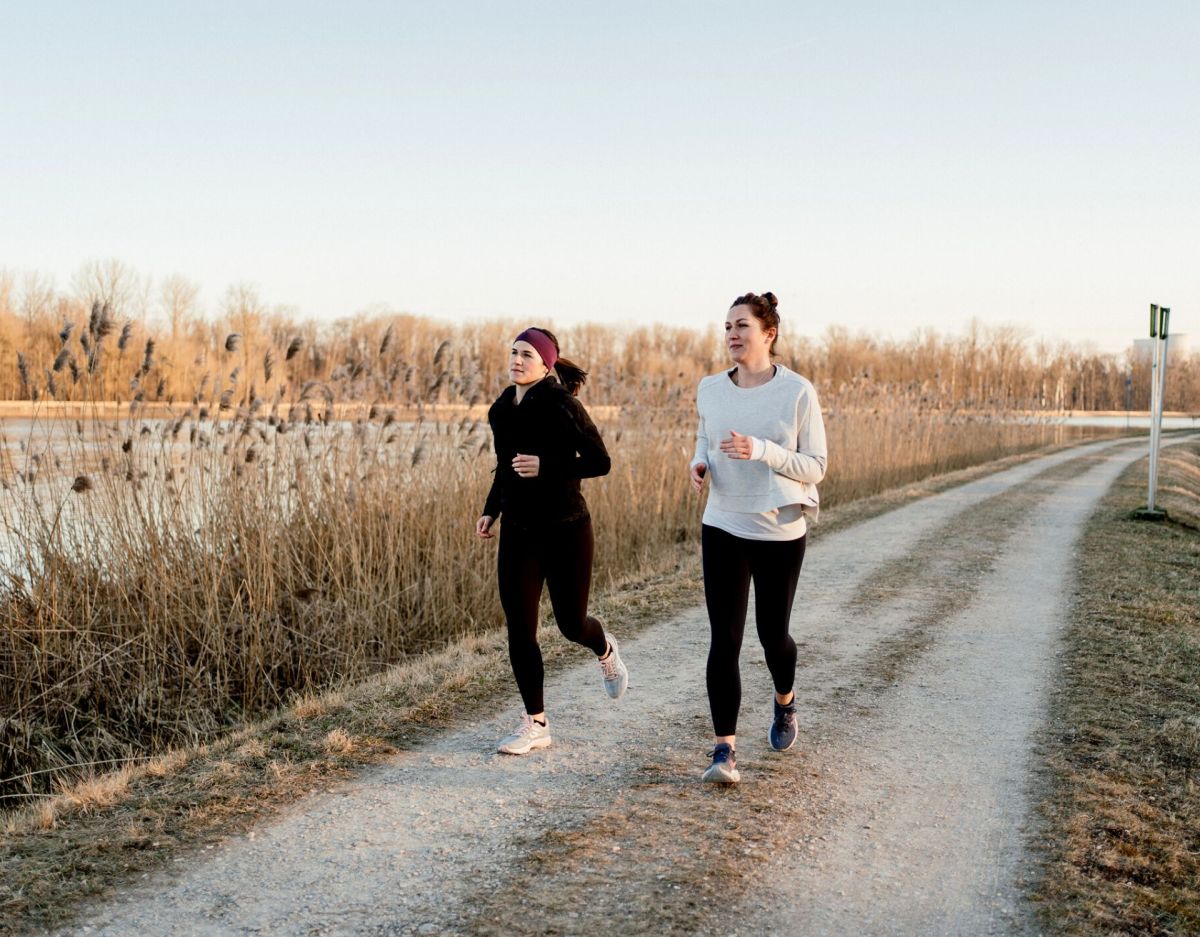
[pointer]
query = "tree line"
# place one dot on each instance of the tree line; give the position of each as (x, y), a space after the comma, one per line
(115, 335)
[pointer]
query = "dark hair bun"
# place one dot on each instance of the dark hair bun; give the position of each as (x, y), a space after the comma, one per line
(770, 298)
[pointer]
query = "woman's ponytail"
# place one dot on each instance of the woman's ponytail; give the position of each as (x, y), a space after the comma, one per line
(569, 374)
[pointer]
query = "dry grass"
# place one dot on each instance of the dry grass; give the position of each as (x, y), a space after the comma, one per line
(192, 579)
(98, 792)
(338, 742)
(57, 852)
(168, 578)
(1123, 836)
(54, 855)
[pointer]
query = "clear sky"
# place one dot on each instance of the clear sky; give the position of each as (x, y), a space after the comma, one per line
(886, 166)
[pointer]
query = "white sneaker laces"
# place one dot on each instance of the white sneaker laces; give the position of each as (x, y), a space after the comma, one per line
(528, 726)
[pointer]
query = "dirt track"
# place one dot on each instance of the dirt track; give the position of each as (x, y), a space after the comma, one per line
(928, 649)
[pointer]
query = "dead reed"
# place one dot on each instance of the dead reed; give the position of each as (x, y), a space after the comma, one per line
(982, 366)
(212, 555)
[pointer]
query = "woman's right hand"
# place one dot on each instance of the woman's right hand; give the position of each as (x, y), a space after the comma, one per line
(699, 473)
(483, 527)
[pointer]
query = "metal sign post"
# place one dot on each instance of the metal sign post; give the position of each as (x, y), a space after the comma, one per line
(1159, 318)
(1154, 424)
(1128, 398)
(1164, 316)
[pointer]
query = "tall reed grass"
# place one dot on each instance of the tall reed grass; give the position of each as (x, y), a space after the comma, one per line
(191, 564)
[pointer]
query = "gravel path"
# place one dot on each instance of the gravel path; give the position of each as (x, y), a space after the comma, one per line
(928, 640)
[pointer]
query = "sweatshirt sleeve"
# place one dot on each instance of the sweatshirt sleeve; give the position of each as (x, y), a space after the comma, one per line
(491, 507)
(589, 458)
(807, 462)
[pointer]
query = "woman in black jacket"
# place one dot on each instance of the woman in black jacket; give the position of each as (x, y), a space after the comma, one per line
(545, 443)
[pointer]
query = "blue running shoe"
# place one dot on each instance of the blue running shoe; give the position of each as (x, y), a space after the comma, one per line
(723, 769)
(782, 734)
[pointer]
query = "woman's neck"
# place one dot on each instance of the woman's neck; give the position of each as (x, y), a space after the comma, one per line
(522, 390)
(754, 373)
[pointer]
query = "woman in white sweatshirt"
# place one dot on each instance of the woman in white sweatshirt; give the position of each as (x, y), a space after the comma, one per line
(760, 446)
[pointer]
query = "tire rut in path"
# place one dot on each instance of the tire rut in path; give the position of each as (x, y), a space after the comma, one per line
(688, 855)
(936, 783)
(609, 828)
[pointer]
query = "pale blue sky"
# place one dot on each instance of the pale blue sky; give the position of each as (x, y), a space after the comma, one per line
(887, 166)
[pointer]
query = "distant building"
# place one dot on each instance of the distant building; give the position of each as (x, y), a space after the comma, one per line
(1179, 346)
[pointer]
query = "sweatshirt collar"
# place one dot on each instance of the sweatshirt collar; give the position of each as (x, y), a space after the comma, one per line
(539, 388)
(775, 375)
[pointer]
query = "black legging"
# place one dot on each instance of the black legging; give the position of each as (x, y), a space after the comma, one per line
(729, 564)
(561, 556)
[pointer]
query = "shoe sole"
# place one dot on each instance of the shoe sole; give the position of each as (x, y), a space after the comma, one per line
(512, 750)
(720, 777)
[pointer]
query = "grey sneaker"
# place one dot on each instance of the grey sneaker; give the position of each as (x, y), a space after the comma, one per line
(782, 734)
(616, 675)
(529, 735)
(723, 769)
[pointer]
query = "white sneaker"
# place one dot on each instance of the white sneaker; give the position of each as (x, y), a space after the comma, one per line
(529, 735)
(616, 675)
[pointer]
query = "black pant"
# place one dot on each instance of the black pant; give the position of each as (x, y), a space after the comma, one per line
(560, 555)
(729, 565)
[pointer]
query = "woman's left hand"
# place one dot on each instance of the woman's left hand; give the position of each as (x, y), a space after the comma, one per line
(737, 446)
(526, 466)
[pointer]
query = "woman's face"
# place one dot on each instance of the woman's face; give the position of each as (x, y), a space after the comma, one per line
(525, 365)
(744, 336)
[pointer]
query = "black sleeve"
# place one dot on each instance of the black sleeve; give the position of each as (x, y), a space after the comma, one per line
(583, 454)
(491, 507)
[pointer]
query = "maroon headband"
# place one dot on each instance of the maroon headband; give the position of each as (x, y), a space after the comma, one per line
(541, 341)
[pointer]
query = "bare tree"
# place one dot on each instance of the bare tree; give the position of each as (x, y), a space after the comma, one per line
(244, 309)
(177, 298)
(115, 284)
(245, 313)
(37, 299)
(8, 298)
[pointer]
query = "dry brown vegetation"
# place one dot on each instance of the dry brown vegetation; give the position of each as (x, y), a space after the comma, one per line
(282, 508)
(381, 355)
(1123, 836)
(58, 849)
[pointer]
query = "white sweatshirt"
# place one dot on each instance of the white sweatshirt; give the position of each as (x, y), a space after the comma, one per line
(789, 455)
